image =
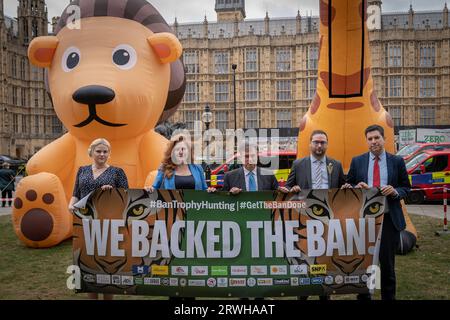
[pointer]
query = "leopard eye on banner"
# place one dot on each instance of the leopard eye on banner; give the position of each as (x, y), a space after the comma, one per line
(175, 243)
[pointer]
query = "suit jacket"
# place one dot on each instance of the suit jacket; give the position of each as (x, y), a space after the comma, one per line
(397, 178)
(301, 174)
(236, 178)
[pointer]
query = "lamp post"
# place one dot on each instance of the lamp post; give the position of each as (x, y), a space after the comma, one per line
(234, 67)
(207, 118)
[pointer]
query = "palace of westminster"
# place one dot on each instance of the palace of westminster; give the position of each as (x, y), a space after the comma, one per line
(276, 71)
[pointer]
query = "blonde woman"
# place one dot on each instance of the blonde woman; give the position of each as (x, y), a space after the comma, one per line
(97, 175)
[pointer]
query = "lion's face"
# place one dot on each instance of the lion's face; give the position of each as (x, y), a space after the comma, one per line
(106, 80)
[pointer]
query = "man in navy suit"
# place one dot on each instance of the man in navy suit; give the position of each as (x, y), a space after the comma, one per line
(379, 169)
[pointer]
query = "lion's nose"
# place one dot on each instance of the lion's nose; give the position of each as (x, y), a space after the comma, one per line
(94, 95)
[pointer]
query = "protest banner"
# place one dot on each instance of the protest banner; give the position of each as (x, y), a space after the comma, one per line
(195, 244)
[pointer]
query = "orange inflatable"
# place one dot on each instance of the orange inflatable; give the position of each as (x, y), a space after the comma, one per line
(115, 76)
(345, 103)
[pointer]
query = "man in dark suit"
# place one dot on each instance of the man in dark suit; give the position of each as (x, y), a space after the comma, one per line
(249, 177)
(317, 171)
(379, 169)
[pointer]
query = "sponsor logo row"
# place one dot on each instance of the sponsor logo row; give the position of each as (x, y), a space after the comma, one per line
(261, 270)
(222, 282)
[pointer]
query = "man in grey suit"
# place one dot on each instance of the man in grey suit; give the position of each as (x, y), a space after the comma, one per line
(316, 171)
(250, 177)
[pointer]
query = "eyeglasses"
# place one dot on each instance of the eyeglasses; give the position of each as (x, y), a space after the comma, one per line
(319, 142)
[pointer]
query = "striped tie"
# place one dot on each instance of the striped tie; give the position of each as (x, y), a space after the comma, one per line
(318, 175)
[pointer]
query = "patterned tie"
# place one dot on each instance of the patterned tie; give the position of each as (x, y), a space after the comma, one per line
(318, 174)
(376, 173)
(251, 181)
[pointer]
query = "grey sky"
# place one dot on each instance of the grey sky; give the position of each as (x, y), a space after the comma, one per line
(195, 10)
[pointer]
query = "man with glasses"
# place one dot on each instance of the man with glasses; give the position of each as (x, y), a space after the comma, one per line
(316, 172)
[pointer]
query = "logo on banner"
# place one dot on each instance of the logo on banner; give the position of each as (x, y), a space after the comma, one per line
(305, 281)
(173, 282)
(339, 279)
(152, 281)
(183, 282)
(103, 279)
(278, 270)
(238, 270)
(317, 280)
(282, 282)
(138, 280)
(211, 282)
(179, 270)
(328, 280)
(258, 270)
(251, 282)
(196, 283)
(299, 269)
(160, 270)
(115, 279)
(222, 282)
(238, 282)
(199, 271)
(264, 282)
(219, 270)
(351, 279)
(127, 280)
(141, 269)
(89, 278)
(318, 269)
(294, 282)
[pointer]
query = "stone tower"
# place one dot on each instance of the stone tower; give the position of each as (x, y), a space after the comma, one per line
(32, 18)
(230, 10)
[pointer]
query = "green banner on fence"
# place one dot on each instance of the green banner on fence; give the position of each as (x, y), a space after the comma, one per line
(196, 244)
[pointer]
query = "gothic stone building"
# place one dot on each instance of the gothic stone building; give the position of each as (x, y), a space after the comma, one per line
(276, 72)
(27, 119)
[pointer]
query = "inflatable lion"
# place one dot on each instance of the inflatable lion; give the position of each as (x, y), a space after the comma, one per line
(114, 73)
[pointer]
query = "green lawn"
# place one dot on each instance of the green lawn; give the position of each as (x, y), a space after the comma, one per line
(41, 274)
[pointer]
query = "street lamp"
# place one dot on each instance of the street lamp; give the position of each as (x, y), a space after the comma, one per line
(207, 118)
(234, 67)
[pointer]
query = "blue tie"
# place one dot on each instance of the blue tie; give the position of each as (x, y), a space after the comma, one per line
(251, 182)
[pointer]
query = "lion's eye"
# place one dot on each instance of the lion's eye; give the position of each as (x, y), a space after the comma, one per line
(137, 210)
(124, 57)
(373, 209)
(71, 58)
(319, 210)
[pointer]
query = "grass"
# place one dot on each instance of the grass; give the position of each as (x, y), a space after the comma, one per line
(41, 274)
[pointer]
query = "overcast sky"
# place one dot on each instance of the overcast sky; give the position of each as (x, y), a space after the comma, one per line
(195, 10)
